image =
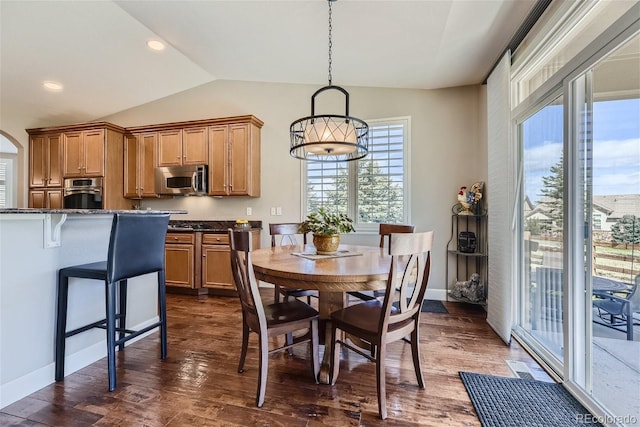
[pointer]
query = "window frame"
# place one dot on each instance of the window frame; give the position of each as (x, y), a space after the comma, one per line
(352, 170)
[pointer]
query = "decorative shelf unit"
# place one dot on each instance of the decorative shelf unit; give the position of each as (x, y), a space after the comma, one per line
(467, 254)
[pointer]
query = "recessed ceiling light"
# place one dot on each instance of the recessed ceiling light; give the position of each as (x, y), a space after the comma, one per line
(52, 86)
(155, 45)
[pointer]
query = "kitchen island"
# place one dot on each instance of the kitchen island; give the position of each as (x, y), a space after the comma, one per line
(34, 244)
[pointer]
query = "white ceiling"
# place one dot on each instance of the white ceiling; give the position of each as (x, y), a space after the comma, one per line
(97, 50)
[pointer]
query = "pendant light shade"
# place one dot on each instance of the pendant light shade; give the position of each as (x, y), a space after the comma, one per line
(329, 137)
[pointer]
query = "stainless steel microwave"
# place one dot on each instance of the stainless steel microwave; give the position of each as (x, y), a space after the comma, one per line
(182, 180)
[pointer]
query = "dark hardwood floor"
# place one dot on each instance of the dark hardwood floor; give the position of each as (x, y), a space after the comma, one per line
(198, 385)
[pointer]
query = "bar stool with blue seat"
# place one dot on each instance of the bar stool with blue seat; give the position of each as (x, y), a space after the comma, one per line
(136, 247)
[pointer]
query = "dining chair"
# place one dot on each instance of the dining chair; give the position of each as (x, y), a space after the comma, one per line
(385, 231)
(268, 320)
(136, 247)
(382, 322)
(615, 309)
(286, 233)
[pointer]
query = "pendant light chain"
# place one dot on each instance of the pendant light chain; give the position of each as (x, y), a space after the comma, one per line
(330, 41)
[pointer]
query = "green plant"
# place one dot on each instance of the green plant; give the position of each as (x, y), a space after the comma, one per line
(323, 223)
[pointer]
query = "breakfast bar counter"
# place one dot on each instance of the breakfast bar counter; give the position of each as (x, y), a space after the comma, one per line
(34, 245)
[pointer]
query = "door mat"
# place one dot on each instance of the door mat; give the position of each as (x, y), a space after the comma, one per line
(433, 306)
(508, 402)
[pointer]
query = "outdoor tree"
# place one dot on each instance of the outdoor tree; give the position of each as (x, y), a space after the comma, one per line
(552, 191)
(379, 198)
(626, 230)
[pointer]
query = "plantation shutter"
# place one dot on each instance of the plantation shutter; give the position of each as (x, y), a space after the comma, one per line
(380, 184)
(327, 186)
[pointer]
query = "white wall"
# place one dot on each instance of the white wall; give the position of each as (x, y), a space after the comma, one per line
(448, 148)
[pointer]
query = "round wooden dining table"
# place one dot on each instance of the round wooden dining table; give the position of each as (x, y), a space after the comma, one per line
(353, 268)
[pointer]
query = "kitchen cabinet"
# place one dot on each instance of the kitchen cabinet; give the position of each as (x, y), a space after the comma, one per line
(234, 160)
(201, 261)
(182, 147)
(216, 262)
(46, 199)
(77, 151)
(139, 165)
(83, 153)
(45, 160)
(179, 260)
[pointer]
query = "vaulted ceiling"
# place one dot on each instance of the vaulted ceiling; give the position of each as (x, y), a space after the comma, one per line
(97, 49)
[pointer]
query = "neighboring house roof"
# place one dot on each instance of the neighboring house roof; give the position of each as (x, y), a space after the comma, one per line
(618, 205)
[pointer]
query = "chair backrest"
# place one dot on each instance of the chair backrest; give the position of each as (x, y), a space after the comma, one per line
(245, 279)
(387, 229)
(136, 245)
(408, 277)
(288, 232)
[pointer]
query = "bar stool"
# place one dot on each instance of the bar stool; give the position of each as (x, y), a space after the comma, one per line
(136, 247)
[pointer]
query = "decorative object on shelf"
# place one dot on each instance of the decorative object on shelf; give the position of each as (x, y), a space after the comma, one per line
(472, 289)
(326, 228)
(329, 137)
(467, 242)
(470, 200)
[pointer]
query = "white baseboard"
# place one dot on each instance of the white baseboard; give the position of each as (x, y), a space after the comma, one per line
(34, 381)
(437, 294)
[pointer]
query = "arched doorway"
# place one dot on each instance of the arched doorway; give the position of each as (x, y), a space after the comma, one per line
(10, 171)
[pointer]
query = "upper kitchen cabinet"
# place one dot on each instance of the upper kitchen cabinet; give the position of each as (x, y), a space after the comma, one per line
(182, 147)
(139, 165)
(234, 158)
(45, 160)
(83, 153)
(77, 151)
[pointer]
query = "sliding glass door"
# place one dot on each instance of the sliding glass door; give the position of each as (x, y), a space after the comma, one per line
(542, 206)
(579, 231)
(612, 200)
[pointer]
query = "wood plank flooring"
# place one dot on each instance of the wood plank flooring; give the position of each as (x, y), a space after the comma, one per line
(198, 384)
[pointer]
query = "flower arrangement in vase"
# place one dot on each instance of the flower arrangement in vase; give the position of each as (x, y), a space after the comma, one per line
(326, 228)
(470, 199)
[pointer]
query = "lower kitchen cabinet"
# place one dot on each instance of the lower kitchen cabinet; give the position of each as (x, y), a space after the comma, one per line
(46, 199)
(201, 261)
(216, 262)
(179, 260)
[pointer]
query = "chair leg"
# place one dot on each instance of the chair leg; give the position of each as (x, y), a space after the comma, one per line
(335, 355)
(61, 324)
(110, 298)
(245, 344)
(629, 316)
(263, 366)
(380, 380)
(415, 351)
(122, 311)
(162, 312)
(315, 349)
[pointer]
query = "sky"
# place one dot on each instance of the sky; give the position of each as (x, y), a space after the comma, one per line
(616, 147)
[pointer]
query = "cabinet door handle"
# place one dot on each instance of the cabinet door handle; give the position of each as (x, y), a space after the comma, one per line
(175, 238)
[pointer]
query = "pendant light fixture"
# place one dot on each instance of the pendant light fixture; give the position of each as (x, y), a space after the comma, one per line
(329, 137)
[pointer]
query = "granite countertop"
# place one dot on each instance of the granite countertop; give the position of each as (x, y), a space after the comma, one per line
(87, 211)
(220, 226)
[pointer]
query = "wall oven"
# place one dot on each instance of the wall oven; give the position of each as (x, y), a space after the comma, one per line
(82, 193)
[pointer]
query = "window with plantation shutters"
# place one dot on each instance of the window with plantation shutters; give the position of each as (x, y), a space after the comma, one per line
(3, 182)
(372, 190)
